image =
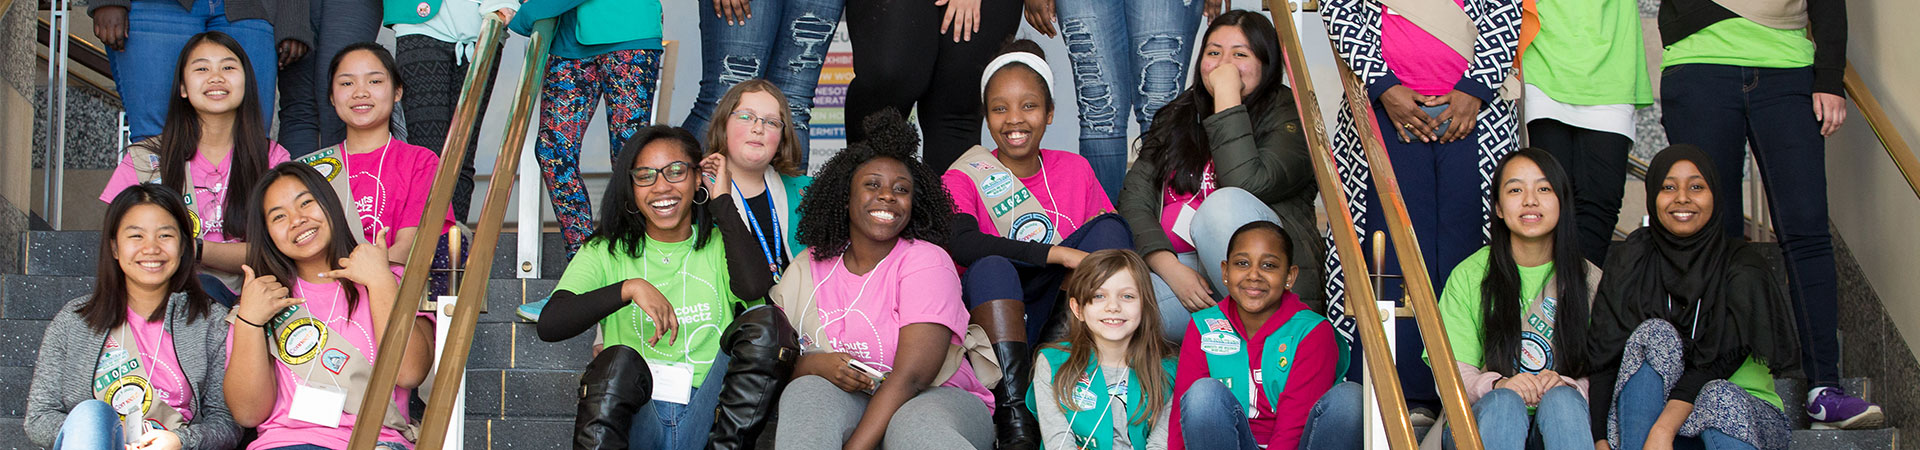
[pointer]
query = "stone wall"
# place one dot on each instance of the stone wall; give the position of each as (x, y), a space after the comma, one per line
(17, 69)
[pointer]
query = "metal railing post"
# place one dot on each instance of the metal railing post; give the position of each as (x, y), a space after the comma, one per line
(526, 188)
(56, 160)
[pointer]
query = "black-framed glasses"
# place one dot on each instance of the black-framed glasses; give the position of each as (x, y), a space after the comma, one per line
(746, 117)
(674, 173)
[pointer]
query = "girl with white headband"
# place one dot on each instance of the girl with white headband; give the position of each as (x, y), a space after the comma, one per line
(1023, 218)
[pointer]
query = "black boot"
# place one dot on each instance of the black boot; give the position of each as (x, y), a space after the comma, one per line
(616, 385)
(764, 348)
(1014, 424)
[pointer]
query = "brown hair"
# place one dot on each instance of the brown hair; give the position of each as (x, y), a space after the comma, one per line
(1145, 352)
(786, 158)
(107, 307)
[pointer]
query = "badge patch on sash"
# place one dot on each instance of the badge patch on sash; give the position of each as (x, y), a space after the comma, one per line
(424, 9)
(1219, 343)
(130, 396)
(1219, 325)
(1535, 353)
(997, 185)
(155, 425)
(983, 165)
(301, 340)
(334, 360)
(329, 166)
(1005, 206)
(1083, 398)
(1032, 227)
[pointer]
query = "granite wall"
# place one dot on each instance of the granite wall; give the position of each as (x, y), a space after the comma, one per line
(17, 75)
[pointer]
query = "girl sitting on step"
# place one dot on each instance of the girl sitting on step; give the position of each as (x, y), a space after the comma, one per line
(1109, 385)
(311, 317)
(764, 154)
(147, 340)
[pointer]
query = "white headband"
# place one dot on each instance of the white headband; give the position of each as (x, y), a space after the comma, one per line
(1033, 61)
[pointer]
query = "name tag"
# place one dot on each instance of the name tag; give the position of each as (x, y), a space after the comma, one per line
(1183, 223)
(672, 383)
(318, 405)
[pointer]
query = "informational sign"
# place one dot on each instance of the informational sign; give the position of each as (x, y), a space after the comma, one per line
(829, 125)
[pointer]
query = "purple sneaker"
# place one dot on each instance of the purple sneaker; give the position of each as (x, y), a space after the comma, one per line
(1831, 408)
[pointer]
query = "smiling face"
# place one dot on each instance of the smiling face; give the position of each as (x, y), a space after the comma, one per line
(1527, 203)
(213, 79)
(881, 199)
(752, 141)
(1228, 45)
(147, 247)
(1258, 271)
(667, 204)
(296, 221)
(363, 91)
(1113, 312)
(1017, 110)
(1685, 202)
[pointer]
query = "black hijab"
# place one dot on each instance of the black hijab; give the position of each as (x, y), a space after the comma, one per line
(1721, 294)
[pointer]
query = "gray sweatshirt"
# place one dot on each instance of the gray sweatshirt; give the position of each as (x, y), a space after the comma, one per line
(63, 374)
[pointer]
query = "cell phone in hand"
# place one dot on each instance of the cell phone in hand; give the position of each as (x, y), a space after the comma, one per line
(876, 375)
(1434, 112)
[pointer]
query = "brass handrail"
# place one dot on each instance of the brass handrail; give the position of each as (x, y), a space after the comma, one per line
(373, 407)
(1883, 128)
(1419, 292)
(1378, 356)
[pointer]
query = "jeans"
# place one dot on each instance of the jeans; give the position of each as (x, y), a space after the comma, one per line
(307, 120)
(157, 31)
(1722, 109)
(904, 62)
(1128, 57)
(217, 290)
(1641, 399)
(1558, 423)
(1223, 212)
(1211, 418)
(672, 426)
(91, 425)
(785, 42)
(1597, 163)
(1336, 421)
(998, 278)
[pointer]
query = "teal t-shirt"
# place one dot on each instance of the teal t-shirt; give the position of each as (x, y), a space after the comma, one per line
(1742, 42)
(1589, 53)
(1460, 302)
(694, 281)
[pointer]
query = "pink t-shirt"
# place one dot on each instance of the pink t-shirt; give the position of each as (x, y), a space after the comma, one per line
(1421, 61)
(209, 191)
(390, 187)
(328, 302)
(1064, 187)
(162, 364)
(863, 315)
(1174, 204)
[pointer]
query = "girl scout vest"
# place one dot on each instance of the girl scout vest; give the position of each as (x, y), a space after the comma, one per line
(317, 355)
(331, 162)
(1010, 205)
(1090, 417)
(1227, 352)
(122, 381)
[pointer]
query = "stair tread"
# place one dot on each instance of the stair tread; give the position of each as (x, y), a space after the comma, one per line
(74, 252)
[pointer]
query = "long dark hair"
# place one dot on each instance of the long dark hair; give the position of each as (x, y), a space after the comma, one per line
(1175, 143)
(107, 308)
(180, 137)
(379, 52)
(626, 230)
(1500, 290)
(265, 257)
(824, 213)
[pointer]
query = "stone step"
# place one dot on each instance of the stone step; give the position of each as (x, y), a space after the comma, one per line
(1880, 439)
(40, 297)
(542, 394)
(1793, 396)
(506, 434)
(75, 253)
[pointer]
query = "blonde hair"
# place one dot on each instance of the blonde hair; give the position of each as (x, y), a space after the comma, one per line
(786, 158)
(1145, 352)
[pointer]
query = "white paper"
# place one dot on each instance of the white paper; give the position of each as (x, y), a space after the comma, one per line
(672, 383)
(318, 406)
(1183, 224)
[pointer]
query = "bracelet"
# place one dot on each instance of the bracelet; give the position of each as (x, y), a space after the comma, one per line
(244, 320)
(199, 248)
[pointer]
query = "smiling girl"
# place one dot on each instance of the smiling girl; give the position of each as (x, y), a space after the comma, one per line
(1113, 355)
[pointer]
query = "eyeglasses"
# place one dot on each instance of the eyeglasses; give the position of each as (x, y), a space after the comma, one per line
(747, 118)
(674, 173)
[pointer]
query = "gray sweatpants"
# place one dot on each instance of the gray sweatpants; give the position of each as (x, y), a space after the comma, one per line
(815, 414)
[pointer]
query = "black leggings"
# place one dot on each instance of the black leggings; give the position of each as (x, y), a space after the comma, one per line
(901, 59)
(1597, 163)
(433, 88)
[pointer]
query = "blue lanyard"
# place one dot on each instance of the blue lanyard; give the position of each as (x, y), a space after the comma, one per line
(773, 263)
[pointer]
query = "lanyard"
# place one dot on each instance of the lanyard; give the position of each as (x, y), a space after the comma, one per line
(773, 262)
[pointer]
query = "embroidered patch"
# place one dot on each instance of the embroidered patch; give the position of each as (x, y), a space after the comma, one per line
(327, 166)
(300, 340)
(153, 424)
(334, 360)
(424, 9)
(1006, 206)
(1032, 227)
(1219, 343)
(997, 185)
(1536, 353)
(1083, 398)
(1219, 325)
(983, 165)
(130, 396)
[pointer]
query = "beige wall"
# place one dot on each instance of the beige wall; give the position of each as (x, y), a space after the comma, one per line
(1872, 205)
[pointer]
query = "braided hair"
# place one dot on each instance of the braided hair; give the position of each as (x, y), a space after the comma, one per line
(824, 213)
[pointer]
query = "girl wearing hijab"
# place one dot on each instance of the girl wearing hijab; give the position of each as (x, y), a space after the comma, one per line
(1689, 326)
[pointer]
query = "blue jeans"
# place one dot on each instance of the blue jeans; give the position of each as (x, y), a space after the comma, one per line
(1558, 423)
(307, 120)
(1335, 422)
(91, 425)
(157, 30)
(1640, 402)
(1224, 211)
(1128, 57)
(1211, 418)
(998, 277)
(1722, 109)
(672, 426)
(785, 42)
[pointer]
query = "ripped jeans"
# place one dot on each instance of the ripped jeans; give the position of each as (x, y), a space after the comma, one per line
(1128, 57)
(784, 42)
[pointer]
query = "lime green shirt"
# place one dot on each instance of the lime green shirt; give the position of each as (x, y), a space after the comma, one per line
(1588, 52)
(1757, 380)
(1742, 42)
(1460, 302)
(694, 281)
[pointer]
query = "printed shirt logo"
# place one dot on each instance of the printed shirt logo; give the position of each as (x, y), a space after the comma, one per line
(1083, 397)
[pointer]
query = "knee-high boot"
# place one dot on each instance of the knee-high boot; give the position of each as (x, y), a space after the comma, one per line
(617, 383)
(1014, 424)
(764, 348)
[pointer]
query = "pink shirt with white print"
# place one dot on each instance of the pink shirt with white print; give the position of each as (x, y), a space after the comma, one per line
(390, 187)
(210, 186)
(161, 363)
(862, 315)
(1173, 204)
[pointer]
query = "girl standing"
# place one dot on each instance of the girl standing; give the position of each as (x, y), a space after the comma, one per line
(1113, 354)
(925, 54)
(435, 48)
(783, 42)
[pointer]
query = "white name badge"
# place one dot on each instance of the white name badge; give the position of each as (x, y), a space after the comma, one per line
(1183, 223)
(318, 405)
(672, 383)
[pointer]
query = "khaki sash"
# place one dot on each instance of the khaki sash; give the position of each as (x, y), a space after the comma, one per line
(1536, 328)
(1009, 204)
(794, 296)
(122, 381)
(1449, 23)
(331, 162)
(145, 157)
(314, 354)
(1776, 14)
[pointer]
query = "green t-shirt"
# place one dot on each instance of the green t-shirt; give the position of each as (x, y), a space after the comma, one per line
(1460, 302)
(695, 282)
(1757, 380)
(1589, 53)
(1742, 42)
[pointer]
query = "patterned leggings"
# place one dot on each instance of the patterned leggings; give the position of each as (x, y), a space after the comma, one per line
(627, 79)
